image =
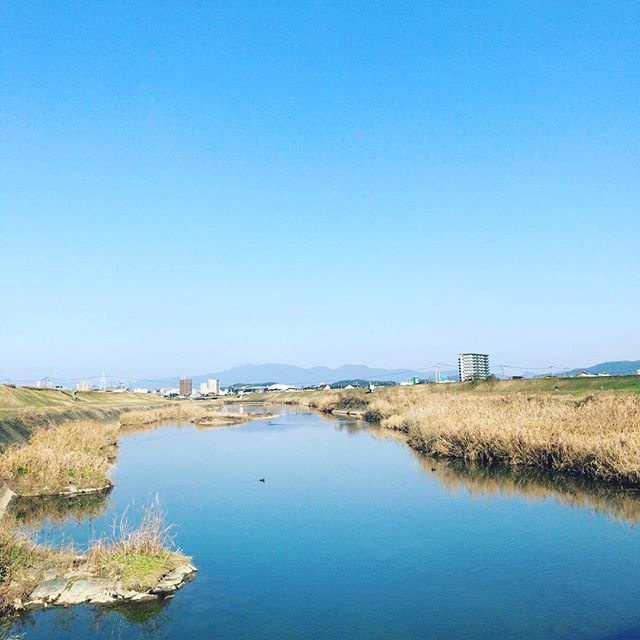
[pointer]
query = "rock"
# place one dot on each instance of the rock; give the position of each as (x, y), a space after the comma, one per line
(143, 597)
(47, 591)
(164, 587)
(79, 587)
(78, 573)
(174, 579)
(98, 590)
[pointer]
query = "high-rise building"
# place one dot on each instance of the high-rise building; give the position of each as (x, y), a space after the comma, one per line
(204, 388)
(213, 386)
(473, 366)
(186, 386)
(84, 385)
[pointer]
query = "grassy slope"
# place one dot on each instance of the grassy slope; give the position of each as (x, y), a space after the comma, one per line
(12, 400)
(24, 411)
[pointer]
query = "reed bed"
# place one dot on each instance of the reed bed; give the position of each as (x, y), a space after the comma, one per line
(72, 456)
(598, 438)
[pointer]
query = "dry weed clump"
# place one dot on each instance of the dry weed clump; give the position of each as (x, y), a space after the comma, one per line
(71, 456)
(137, 557)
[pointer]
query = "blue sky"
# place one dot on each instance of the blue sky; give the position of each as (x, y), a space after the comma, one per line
(189, 186)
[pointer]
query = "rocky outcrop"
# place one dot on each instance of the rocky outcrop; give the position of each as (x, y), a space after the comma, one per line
(82, 587)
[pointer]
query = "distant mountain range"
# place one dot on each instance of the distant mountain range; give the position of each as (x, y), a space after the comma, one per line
(615, 368)
(289, 374)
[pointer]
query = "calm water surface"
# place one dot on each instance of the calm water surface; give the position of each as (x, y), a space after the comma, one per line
(355, 536)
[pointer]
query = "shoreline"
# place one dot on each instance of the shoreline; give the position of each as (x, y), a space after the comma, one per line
(65, 581)
(596, 437)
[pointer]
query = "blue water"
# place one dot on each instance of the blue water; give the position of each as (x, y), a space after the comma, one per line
(353, 535)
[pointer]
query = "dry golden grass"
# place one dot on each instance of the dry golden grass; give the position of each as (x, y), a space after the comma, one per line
(73, 454)
(182, 411)
(598, 438)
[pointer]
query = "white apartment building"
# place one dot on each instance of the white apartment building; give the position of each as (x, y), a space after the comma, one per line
(213, 386)
(473, 366)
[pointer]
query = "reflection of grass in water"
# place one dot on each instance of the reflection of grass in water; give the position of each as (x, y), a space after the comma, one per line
(111, 621)
(536, 484)
(622, 505)
(34, 511)
(150, 615)
(115, 621)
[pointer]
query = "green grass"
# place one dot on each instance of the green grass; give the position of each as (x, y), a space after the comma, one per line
(548, 385)
(142, 570)
(573, 386)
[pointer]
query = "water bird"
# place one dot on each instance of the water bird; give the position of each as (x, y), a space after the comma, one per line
(261, 480)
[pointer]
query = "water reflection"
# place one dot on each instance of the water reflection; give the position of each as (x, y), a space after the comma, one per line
(105, 621)
(58, 510)
(619, 504)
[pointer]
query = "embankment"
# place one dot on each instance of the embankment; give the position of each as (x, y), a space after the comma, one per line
(23, 411)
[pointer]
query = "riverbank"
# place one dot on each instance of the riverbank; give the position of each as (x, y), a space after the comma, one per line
(23, 411)
(595, 436)
(73, 459)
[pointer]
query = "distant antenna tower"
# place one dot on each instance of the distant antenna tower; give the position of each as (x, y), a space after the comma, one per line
(103, 381)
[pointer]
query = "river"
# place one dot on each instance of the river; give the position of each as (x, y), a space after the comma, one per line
(353, 535)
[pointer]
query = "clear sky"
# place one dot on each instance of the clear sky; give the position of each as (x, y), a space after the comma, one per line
(188, 186)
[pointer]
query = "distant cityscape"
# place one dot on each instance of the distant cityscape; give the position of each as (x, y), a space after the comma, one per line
(471, 367)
